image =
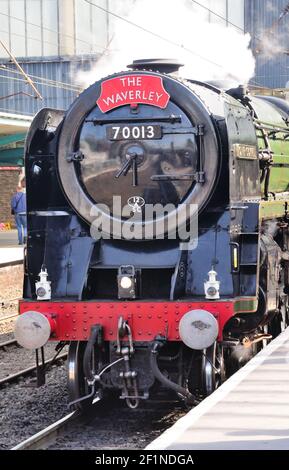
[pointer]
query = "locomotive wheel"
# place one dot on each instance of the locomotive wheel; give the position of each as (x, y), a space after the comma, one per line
(276, 325)
(213, 369)
(77, 386)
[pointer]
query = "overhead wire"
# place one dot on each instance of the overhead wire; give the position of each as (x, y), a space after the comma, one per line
(15, 111)
(16, 94)
(212, 12)
(72, 87)
(21, 70)
(50, 30)
(29, 37)
(284, 13)
(76, 88)
(152, 33)
(52, 83)
(39, 83)
(43, 81)
(46, 81)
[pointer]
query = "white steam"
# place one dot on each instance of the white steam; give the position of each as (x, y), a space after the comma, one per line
(209, 51)
(270, 45)
(273, 40)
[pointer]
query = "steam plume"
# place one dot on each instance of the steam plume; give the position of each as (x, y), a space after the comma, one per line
(225, 51)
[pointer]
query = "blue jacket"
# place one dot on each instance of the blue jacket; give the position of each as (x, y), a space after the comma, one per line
(18, 203)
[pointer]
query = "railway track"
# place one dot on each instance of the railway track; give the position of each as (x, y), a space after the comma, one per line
(7, 323)
(50, 434)
(44, 438)
(6, 344)
(8, 318)
(29, 371)
(106, 425)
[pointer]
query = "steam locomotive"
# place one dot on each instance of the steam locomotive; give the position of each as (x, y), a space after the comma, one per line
(141, 309)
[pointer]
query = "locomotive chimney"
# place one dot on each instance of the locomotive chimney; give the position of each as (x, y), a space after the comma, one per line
(157, 65)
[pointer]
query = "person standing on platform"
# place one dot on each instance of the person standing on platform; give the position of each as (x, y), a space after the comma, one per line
(18, 209)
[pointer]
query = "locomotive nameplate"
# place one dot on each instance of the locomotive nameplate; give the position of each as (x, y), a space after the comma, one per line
(245, 152)
(132, 90)
(144, 132)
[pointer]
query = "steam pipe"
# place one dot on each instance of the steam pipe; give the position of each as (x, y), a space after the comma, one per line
(267, 181)
(80, 400)
(157, 345)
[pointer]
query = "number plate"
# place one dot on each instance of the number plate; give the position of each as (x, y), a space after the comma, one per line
(134, 132)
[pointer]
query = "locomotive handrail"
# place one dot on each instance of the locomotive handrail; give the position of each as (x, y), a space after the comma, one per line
(172, 119)
(183, 130)
(272, 134)
(198, 177)
(270, 127)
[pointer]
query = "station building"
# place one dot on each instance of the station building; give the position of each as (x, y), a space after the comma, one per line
(51, 40)
(54, 39)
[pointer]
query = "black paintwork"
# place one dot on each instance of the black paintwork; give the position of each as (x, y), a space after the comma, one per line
(70, 165)
(174, 154)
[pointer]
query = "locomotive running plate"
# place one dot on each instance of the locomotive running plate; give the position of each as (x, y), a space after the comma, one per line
(142, 132)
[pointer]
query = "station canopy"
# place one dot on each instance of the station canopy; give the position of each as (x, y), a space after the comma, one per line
(13, 130)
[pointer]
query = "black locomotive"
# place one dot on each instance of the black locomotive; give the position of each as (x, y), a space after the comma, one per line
(142, 309)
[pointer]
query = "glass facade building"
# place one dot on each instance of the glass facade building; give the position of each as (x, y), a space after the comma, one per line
(40, 28)
(53, 39)
(270, 41)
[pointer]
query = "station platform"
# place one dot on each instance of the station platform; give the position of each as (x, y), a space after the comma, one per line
(10, 252)
(250, 411)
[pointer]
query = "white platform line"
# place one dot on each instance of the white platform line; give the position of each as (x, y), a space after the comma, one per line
(45, 432)
(54, 427)
(172, 434)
